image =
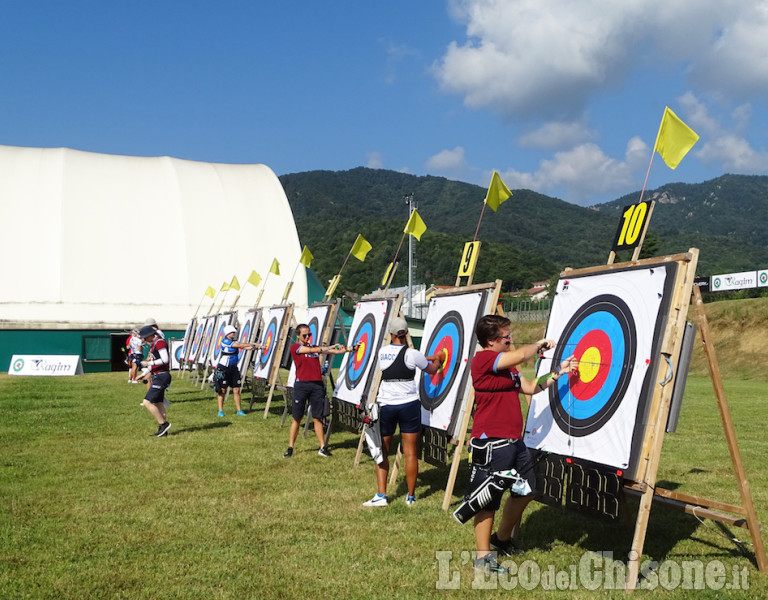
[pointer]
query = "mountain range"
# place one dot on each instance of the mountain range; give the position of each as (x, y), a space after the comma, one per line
(531, 237)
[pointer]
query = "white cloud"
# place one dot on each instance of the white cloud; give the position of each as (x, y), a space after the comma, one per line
(375, 160)
(448, 161)
(525, 57)
(557, 134)
(720, 145)
(584, 171)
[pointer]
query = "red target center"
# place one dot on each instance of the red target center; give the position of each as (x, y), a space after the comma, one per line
(359, 355)
(445, 345)
(594, 353)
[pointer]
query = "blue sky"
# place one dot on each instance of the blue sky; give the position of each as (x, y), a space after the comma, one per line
(561, 97)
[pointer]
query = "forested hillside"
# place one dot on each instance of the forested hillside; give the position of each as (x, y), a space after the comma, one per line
(531, 237)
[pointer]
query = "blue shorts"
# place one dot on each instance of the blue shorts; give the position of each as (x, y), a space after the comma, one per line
(136, 358)
(408, 416)
(314, 391)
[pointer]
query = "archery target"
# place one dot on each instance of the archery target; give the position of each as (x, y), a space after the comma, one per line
(449, 327)
(248, 331)
(612, 324)
(177, 353)
(317, 319)
(269, 341)
(356, 370)
(360, 360)
(205, 346)
(222, 321)
(187, 341)
(196, 340)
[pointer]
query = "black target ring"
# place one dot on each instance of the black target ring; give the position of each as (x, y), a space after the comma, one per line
(447, 336)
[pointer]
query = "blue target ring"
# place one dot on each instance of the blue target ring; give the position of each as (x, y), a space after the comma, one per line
(245, 336)
(217, 345)
(270, 339)
(447, 337)
(179, 352)
(313, 330)
(359, 360)
(602, 336)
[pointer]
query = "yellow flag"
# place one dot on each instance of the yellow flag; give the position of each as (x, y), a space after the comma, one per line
(415, 226)
(675, 138)
(210, 292)
(234, 284)
(306, 257)
(360, 248)
(275, 268)
(498, 192)
(254, 279)
(224, 287)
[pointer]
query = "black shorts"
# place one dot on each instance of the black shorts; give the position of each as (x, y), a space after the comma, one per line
(515, 456)
(225, 377)
(156, 392)
(135, 358)
(303, 391)
(407, 416)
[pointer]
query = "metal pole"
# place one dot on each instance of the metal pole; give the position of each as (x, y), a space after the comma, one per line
(410, 203)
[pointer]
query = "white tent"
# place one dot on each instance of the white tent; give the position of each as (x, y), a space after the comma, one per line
(99, 241)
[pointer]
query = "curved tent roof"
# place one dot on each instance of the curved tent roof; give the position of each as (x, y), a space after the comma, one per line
(96, 240)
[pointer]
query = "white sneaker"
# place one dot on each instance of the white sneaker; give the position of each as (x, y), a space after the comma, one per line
(377, 501)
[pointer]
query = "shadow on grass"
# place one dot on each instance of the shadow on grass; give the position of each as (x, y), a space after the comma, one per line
(215, 425)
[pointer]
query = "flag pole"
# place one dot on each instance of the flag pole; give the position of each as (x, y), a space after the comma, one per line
(482, 212)
(653, 153)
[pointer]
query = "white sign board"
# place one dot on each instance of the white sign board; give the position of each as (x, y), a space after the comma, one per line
(45, 365)
(733, 281)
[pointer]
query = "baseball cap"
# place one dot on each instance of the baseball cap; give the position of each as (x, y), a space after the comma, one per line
(398, 326)
(229, 329)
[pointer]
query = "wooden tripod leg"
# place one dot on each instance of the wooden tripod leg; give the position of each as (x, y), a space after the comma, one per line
(269, 399)
(396, 466)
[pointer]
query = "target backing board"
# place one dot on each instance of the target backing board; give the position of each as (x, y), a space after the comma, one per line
(613, 323)
(357, 368)
(222, 320)
(176, 348)
(274, 322)
(247, 335)
(450, 327)
(197, 340)
(207, 340)
(318, 318)
(189, 332)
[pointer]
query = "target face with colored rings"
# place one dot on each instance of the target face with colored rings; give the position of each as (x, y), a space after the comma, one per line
(179, 352)
(602, 337)
(313, 330)
(196, 340)
(270, 337)
(447, 337)
(245, 335)
(358, 361)
(217, 344)
(206, 342)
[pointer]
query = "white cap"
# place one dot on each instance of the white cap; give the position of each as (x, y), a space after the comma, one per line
(398, 326)
(229, 329)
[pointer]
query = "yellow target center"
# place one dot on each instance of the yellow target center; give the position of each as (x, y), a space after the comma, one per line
(589, 364)
(360, 351)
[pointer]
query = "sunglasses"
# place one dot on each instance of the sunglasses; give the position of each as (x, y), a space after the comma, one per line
(505, 337)
(306, 335)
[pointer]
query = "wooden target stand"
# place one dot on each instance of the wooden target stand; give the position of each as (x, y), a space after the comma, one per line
(630, 235)
(273, 377)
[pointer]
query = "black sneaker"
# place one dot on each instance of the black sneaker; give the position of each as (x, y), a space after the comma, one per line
(506, 548)
(489, 564)
(163, 429)
(324, 451)
(288, 453)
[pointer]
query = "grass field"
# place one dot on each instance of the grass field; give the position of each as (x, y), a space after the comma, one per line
(93, 507)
